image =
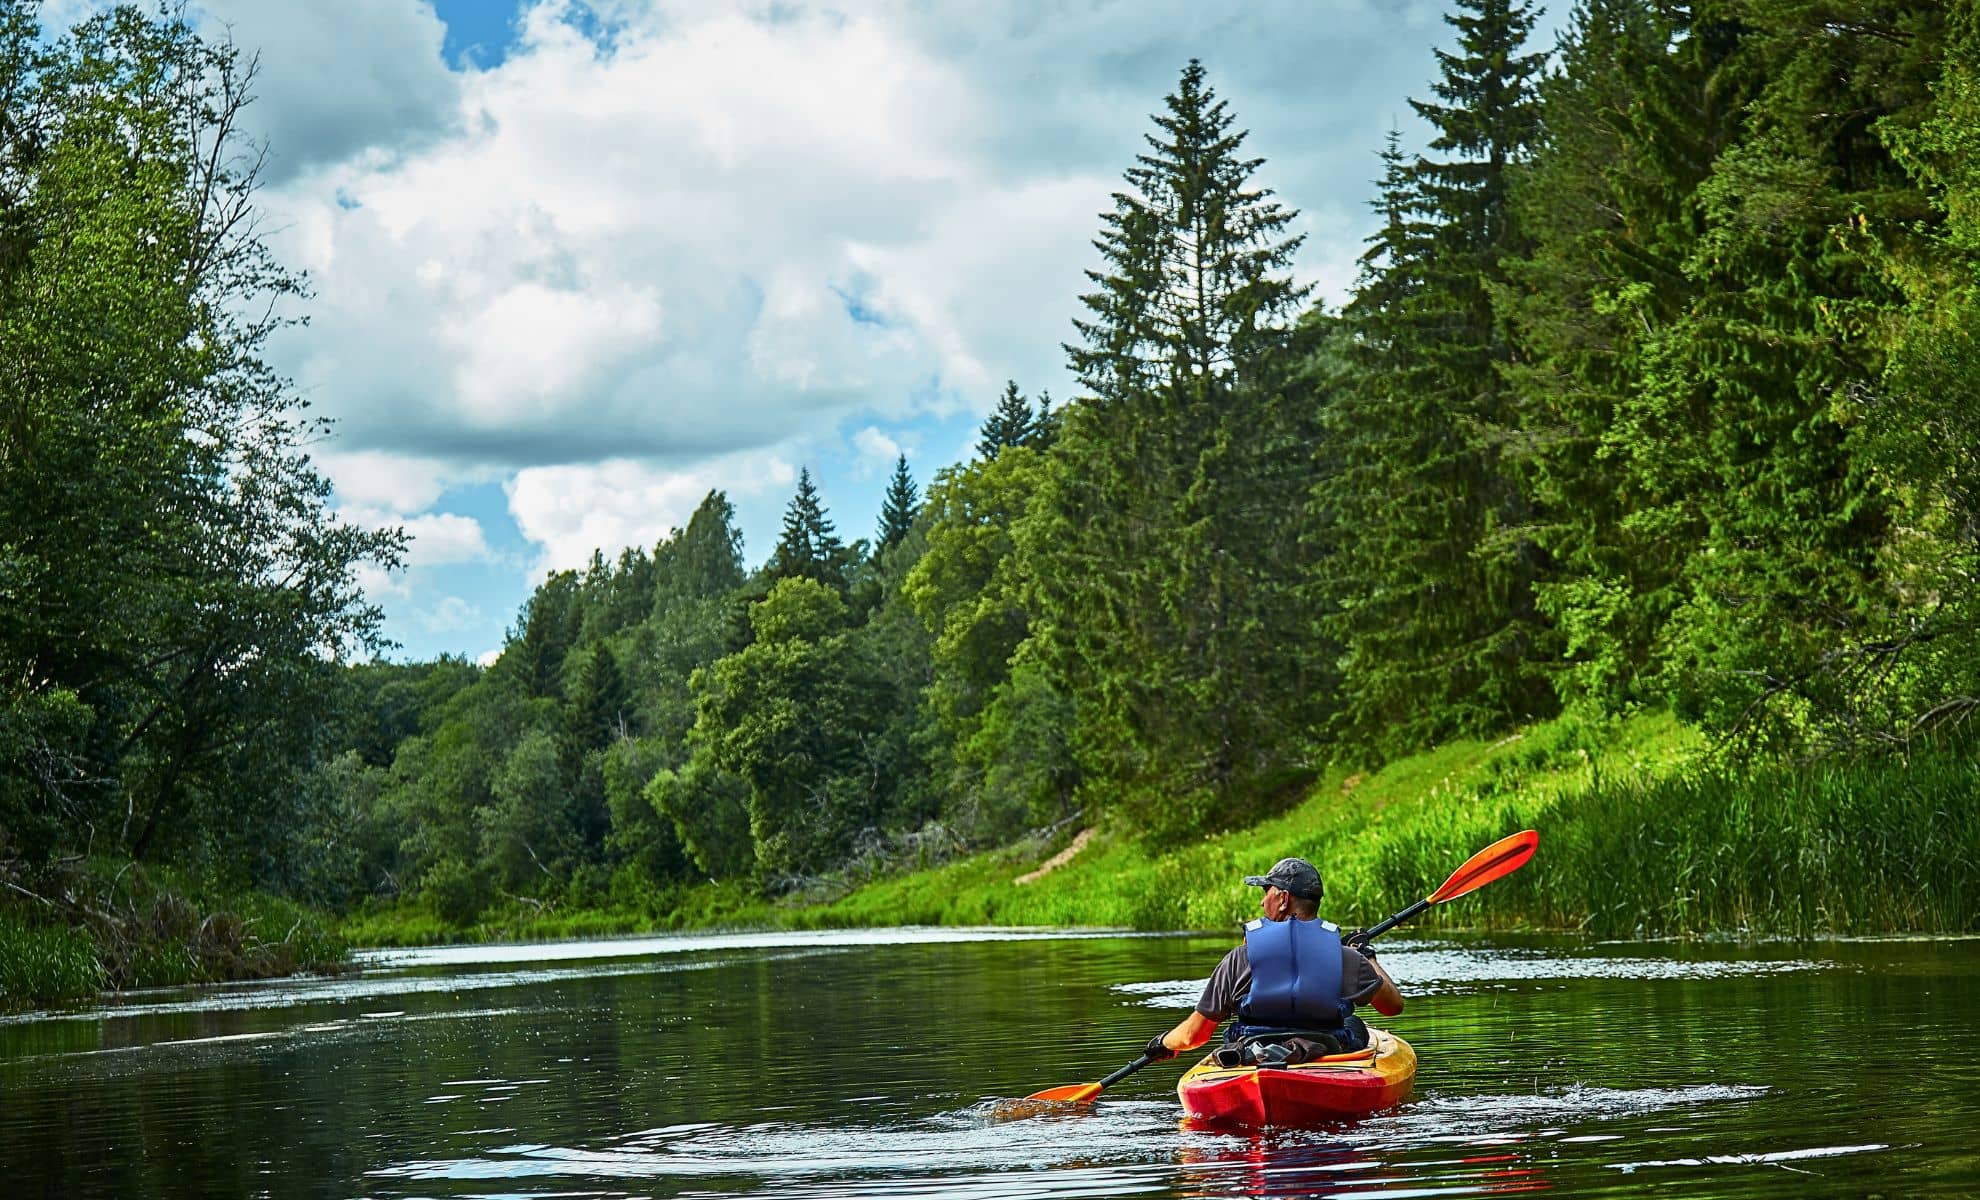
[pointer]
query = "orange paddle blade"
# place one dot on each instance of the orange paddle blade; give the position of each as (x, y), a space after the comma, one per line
(1072, 1093)
(1495, 861)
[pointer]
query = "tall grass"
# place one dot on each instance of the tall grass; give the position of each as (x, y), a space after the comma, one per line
(1639, 836)
(103, 924)
(46, 963)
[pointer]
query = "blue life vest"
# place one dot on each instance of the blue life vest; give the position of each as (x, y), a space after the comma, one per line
(1295, 976)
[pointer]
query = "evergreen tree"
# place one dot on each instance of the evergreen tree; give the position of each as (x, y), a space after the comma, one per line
(1431, 560)
(1641, 108)
(702, 561)
(534, 655)
(1162, 553)
(600, 703)
(1750, 415)
(898, 509)
(1012, 424)
(808, 548)
(1921, 431)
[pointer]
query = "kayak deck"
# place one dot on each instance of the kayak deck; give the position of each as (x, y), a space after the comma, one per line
(1327, 1089)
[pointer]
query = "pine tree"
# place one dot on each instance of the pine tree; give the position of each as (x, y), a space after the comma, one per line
(898, 509)
(1431, 565)
(1163, 553)
(808, 548)
(1012, 424)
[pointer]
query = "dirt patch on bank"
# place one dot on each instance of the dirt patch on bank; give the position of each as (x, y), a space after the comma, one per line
(1057, 860)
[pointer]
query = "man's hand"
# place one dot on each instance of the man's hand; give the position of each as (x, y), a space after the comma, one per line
(1351, 942)
(1156, 1051)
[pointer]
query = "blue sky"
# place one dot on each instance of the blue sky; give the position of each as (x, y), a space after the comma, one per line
(573, 264)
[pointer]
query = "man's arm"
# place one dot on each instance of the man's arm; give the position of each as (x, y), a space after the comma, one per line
(1216, 1004)
(1190, 1032)
(1388, 999)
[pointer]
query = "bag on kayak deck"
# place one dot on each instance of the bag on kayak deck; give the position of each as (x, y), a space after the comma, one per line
(1246, 1045)
(1271, 1050)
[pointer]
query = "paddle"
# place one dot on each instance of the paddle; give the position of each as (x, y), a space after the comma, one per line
(1495, 861)
(1080, 1093)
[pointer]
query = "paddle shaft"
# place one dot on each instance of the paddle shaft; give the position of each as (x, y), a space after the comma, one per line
(1140, 1062)
(1381, 927)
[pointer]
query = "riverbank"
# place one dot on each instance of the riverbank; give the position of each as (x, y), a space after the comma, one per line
(1642, 835)
(99, 925)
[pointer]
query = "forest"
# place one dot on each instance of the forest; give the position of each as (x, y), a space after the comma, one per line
(1653, 396)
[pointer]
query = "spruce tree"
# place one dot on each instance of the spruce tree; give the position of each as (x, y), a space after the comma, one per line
(898, 509)
(1431, 562)
(1163, 551)
(1012, 424)
(1750, 413)
(1641, 107)
(808, 548)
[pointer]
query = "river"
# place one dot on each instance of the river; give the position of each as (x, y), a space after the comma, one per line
(869, 1063)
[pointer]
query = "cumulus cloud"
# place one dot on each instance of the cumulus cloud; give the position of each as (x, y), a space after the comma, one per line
(574, 509)
(380, 481)
(451, 615)
(339, 80)
(876, 449)
(442, 538)
(668, 249)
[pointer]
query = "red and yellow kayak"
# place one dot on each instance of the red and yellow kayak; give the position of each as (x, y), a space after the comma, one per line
(1327, 1089)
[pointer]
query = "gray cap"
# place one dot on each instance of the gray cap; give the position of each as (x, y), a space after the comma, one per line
(1294, 875)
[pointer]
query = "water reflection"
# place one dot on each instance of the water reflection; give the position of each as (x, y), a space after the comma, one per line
(838, 1066)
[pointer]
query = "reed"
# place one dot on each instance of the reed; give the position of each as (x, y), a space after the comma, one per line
(1640, 837)
(46, 964)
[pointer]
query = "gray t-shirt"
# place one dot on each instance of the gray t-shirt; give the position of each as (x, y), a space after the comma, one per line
(1230, 983)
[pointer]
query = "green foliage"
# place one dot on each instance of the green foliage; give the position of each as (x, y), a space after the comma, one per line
(708, 808)
(167, 559)
(1427, 583)
(1011, 423)
(897, 509)
(1165, 547)
(792, 715)
(44, 964)
(808, 548)
(1640, 836)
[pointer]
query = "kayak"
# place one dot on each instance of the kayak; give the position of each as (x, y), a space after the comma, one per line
(1327, 1089)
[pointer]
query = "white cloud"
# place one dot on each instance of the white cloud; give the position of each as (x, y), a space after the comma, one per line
(876, 449)
(339, 79)
(442, 538)
(378, 583)
(617, 273)
(449, 616)
(378, 481)
(664, 251)
(569, 511)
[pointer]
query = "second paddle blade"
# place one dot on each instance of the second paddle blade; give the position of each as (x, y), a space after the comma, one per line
(1072, 1093)
(1495, 861)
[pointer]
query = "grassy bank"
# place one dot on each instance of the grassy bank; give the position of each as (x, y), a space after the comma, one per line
(1638, 836)
(1641, 835)
(90, 926)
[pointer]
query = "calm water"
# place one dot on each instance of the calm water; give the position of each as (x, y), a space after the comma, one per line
(869, 1064)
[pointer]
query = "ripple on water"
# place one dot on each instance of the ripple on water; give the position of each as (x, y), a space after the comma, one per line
(1435, 970)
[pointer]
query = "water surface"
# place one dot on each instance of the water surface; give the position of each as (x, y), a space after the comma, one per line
(870, 1063)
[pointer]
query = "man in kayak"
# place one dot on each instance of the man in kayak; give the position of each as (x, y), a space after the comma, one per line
(1292, 985)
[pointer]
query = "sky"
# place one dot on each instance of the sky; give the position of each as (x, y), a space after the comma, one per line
(573, 265)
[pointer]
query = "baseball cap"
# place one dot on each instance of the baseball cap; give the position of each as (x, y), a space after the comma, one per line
(1294, 875)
